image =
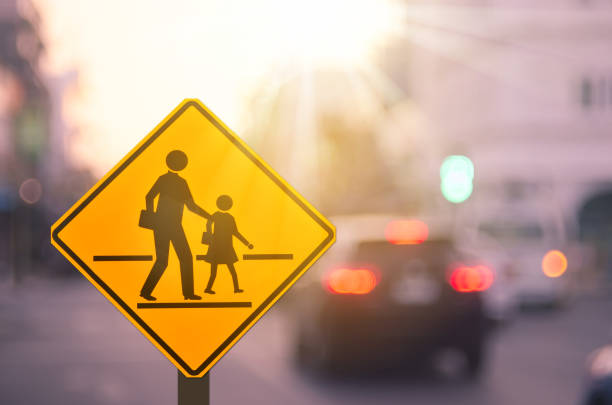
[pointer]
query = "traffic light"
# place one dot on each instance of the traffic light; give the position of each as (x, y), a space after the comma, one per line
(456, 178)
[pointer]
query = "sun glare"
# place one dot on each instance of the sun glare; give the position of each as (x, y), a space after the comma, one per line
(338, 33)
(218, 50)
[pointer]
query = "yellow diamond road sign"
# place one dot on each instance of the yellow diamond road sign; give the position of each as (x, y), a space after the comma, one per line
(193, 237)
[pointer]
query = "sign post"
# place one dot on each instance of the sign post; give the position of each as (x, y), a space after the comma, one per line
(193, 237)
(193, 391)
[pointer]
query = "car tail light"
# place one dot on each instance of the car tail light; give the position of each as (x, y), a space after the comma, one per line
(471, 278)
(350, 281)
(406, 232)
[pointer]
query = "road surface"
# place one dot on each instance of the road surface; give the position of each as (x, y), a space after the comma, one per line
(61, 342)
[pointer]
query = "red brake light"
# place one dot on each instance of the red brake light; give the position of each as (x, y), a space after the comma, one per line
(351, 281)
(470, 279)
(406, 232)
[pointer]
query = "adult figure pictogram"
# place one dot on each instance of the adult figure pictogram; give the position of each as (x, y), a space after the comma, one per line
(222, 228)
(174, 195)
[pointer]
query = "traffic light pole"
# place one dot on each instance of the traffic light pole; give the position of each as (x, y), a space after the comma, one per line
(193, 391)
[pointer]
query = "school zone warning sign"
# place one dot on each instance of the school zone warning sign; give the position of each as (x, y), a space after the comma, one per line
(193, 237)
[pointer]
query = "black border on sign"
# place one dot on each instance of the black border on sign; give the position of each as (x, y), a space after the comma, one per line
(274, 177)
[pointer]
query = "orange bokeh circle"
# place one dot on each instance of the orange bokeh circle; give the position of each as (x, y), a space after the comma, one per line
(554, 263)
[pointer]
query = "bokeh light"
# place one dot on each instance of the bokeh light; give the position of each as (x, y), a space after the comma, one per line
(471, 279)
(351, 281)
(601, 362)
(30, 191)
(457, 175)
(406, 232)
(554, 264)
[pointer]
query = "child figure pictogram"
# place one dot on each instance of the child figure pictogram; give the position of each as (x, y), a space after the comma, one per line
(220, 230)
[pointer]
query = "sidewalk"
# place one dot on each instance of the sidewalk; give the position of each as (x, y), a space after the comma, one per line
(61, 342)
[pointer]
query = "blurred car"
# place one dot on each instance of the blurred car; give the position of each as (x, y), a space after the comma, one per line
(390, 292)
(599, 377)
(516, 246)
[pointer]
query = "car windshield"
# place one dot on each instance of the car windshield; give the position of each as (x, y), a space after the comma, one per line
(512, 232)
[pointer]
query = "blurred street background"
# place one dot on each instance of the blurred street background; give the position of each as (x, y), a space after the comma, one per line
(482, 123)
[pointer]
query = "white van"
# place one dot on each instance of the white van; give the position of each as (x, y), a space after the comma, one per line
(514, 244)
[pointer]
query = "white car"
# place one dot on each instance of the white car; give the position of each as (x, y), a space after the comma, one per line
(527, 257)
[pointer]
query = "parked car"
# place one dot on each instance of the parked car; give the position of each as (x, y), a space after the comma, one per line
(390, 292)
(516, 245)
(599, 377)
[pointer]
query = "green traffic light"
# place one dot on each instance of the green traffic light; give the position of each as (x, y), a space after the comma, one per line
(457, 174)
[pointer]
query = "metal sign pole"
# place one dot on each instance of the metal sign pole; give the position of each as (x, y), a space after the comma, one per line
(193, 391)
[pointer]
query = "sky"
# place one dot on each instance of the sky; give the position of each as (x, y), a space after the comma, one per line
(138, 59)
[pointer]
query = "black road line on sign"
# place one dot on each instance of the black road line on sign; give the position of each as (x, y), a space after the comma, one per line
(155, 305)
(287, 256)
(123, 258)
(270, 256)
(329, 237)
